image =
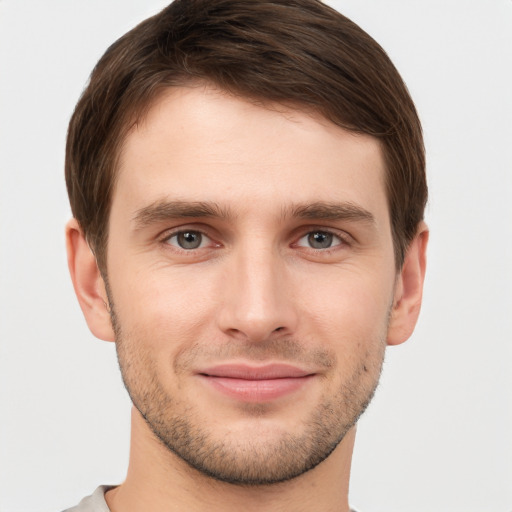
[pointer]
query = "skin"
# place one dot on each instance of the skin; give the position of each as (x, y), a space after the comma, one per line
(259, 289)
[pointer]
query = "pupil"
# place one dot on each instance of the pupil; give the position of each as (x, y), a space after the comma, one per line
(189, 240)
(320, 240)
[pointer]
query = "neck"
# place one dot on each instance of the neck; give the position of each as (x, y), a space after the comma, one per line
(158, 480)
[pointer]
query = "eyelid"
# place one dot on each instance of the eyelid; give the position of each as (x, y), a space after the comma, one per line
(172, 232)
(204, 240)
(344, 237)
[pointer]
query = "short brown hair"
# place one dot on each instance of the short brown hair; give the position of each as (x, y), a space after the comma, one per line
(297, 52)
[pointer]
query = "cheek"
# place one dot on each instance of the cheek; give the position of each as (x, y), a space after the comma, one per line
(169, 305)
(351, 309)
(165, 304)
(159, 316)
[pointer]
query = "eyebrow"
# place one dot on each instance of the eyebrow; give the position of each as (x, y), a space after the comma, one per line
(163, 210)
(331, 211)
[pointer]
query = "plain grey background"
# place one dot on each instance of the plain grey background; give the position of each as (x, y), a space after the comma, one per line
(439, 433)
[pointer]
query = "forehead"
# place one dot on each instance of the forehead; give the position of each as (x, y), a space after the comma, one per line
(202, 144)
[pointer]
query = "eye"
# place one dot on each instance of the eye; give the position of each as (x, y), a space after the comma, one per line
(319, 240)
(188, 240)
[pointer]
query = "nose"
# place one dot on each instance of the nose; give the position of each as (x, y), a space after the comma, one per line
(258, 300)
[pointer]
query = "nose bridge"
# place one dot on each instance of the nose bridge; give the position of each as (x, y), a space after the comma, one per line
(258, 299)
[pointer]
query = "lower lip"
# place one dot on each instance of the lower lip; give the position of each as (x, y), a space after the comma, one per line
(256, 390)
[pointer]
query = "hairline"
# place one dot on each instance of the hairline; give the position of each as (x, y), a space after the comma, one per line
(136, 115)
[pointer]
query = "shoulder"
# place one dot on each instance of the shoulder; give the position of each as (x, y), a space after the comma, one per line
(93, 503)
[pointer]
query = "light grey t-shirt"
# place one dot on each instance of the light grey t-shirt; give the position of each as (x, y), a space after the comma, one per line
(93, 503)
(96, 501)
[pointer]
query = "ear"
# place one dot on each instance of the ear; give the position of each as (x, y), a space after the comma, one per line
(88, 283)
(409, 289)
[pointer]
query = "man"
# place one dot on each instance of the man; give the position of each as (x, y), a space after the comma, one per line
(247, 184)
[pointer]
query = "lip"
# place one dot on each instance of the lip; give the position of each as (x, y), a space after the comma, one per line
(255, 383)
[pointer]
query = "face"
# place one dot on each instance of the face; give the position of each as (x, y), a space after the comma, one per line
(251, 276)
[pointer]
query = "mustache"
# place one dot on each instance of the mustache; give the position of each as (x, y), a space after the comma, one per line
(283, 349)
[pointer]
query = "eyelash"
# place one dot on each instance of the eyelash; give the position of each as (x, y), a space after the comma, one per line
(343, 240)
(169, 235)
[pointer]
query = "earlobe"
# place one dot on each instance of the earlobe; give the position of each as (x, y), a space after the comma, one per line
(409, 289)
(88, 283)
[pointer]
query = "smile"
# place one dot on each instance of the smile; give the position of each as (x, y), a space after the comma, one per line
(255, 384)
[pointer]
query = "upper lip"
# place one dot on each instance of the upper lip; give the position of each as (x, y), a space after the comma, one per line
(252, 372)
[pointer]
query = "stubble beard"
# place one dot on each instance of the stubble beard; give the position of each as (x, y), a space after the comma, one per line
(250, 461)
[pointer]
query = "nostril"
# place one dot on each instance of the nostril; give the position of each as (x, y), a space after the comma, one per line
(278, 329)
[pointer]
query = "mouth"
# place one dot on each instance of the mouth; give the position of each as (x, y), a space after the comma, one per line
(255, 383)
